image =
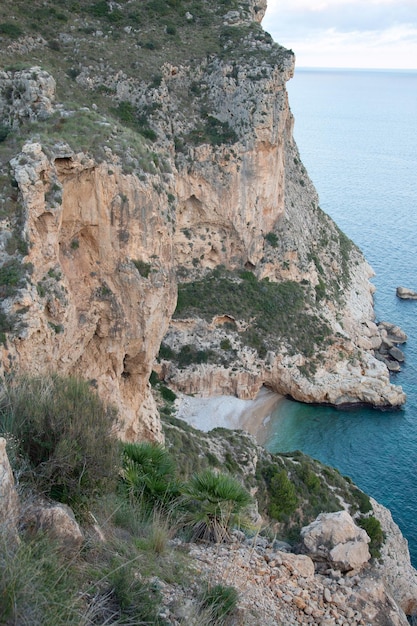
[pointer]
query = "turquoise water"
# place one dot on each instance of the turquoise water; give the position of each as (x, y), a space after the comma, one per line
(357, 135)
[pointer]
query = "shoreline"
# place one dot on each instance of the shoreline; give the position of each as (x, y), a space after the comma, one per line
(230, 412)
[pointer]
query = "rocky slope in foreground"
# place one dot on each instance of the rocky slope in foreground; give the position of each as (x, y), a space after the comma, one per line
(181, 170)
(325, 575)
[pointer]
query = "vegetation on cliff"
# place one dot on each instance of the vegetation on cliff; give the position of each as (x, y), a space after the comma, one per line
(195, 489)
(277, 314)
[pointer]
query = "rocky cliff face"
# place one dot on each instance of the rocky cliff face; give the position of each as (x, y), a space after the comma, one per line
(202, 182)
(101, 288)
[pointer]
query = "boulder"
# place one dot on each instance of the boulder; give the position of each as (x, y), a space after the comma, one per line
(335, 539)
(396, 354)
(58, 522)
(406, 294)
(391, 333)
(9, 503)
(393, 366)
(298, 565)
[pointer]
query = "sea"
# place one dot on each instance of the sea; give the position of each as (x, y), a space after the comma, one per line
(357, 135)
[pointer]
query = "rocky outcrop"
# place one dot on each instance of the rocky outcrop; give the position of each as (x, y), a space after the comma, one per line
(9, 503)
(388, 351)
(395, 567)
(57, 522)
(335, 540)
(26, 95)
(406, 294)
(101, 289)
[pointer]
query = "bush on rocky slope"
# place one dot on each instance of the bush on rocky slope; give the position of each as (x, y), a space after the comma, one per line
(128, 553)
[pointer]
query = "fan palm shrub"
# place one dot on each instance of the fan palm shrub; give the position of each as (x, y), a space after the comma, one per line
(148, 474)
(215, 503)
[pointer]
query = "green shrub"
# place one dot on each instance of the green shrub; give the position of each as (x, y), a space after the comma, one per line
(167, 393)
(166, 352)
(214, 132)
(148, 474)
(10, 30)
(7, 322)
(374, 530)
(143, 268)
(278, 312)
(138, 602)
(215, 503)
(99, 9)
(225, 344)
(4, 132)
(12, 276)
(58, 423)
(130, 116)
(283, 497)
(221, 601)
(320, 290)
(361, 500)
(189, 354)
(272, 239)
(154, 379)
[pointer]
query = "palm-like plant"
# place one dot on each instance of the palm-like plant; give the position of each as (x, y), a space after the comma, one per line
(215, 504)
(149, 473)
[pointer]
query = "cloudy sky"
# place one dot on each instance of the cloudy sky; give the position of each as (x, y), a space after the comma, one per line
(346, 33)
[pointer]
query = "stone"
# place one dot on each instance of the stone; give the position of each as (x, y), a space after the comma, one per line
(298, 565)
(335, 538)
(327, 596)
(58, 522)
(9, 502)
(392, 332)
(393, 366)
(396, 354)
(281, 546)
(27, 94)
(406, 294)
(299, 603)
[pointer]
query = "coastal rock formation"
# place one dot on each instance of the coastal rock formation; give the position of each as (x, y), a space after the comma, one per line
(102, 220)
(388, 351)
(395, 566)
(406, 294)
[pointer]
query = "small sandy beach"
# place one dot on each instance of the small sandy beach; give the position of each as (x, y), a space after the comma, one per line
(230, 412)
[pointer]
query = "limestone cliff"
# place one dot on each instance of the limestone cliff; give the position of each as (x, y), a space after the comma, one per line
(181, 169)
(101, 290)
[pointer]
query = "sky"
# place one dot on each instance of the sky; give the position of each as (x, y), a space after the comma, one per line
(346, 33)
